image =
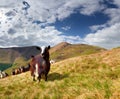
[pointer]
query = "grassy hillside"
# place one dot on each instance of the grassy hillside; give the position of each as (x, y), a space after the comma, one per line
(18, 55)
(95, 76)
(65, 50)
(20, 61)
(8, 55)
(15, 57)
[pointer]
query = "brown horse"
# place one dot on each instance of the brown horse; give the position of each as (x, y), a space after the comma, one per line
(40, 64)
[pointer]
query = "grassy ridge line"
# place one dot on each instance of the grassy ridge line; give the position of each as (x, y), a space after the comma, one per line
(59, 52)
(65, 50)
(87, 77)
(8, 55)
(111, 58)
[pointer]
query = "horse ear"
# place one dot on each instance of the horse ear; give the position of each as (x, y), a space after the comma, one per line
(38, 48)
(49, 47)
(32, 56)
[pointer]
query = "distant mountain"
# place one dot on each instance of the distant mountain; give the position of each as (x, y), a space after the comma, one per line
(59, 47)
(66, 50)
(8, 55)
(18, 56)
(59, 52)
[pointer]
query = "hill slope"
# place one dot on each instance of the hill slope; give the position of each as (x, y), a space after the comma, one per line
(65, 50)
(8, 55)
(95, 76)
(17, 56)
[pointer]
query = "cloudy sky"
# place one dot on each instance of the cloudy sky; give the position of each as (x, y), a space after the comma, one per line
(49, 22)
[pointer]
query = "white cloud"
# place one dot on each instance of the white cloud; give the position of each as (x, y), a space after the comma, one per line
(9, 3)
(41, 37)
(17, 17)
(117, 2)
(107, 37)
(60, 9)
(94, 28)
(91, 6)
(66, 28)
(17, 28)
(113, 14)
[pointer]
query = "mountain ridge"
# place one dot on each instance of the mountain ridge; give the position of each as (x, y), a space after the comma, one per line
(19, 56)
(66, 50)
(8, 55)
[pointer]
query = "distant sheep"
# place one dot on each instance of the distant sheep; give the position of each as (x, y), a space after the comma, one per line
(52, 61)
(3, 74)
(19, 70)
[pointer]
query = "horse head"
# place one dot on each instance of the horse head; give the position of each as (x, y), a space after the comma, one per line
(45, 53)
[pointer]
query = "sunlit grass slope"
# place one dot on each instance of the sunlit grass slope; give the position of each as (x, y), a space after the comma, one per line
(20, 61)
(66, 50)
(95, 76)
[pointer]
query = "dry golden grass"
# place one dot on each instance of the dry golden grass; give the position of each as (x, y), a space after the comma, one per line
(95, 76)
(65, 50)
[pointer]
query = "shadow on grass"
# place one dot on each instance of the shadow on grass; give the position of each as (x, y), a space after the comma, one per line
(56, 76)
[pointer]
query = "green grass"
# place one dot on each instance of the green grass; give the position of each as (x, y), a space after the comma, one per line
(70, 51)
(20, 61)
(89, 84)
(86, 77)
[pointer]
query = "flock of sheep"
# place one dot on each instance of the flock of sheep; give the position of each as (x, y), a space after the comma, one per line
(16, 71)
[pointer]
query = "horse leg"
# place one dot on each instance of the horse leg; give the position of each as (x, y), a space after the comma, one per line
(39, 78)
(45, 77)
(33, 77)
